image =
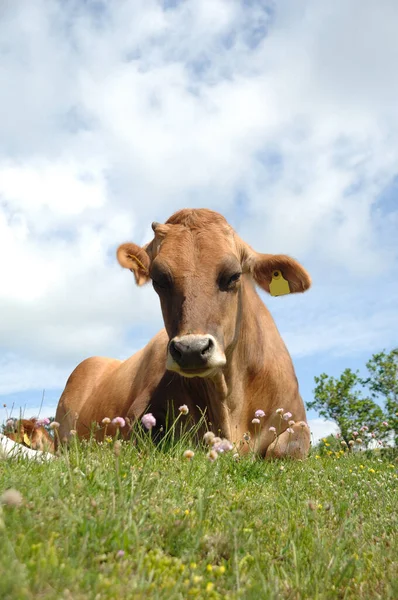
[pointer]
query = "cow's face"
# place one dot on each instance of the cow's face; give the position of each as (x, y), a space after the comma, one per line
(199, 267)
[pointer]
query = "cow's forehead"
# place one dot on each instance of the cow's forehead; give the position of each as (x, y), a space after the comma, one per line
(208, 246)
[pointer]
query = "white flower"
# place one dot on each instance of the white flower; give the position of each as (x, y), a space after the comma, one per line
(184, 409)
(212, 455)
(259, 414)
(208, 436)
(256, 421)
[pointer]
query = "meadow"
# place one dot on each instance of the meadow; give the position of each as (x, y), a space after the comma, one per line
(123, 520)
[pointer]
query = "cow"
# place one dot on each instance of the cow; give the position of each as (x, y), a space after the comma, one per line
(30, 433)
(219, 353)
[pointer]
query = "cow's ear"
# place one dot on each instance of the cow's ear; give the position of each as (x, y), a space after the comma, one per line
(130, 256)
(279, 274)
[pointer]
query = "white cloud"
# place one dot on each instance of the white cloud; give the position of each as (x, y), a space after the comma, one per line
(321, 428)
(119, 115)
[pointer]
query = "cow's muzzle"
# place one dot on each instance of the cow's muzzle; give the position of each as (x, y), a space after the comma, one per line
(194, 355)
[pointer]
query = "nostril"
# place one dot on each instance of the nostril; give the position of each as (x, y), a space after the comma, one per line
(208, 347)
(175, 351)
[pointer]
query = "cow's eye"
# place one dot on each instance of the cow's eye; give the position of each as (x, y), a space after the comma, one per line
(228, 282)
(162, 283)
(234, 278)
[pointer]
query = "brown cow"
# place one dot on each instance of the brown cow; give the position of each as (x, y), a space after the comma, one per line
(30, 434)
(220, 351)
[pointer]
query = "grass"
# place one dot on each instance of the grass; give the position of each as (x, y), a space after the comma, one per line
(149, 523)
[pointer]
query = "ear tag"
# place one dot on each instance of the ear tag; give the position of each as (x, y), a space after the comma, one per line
(278, 286)
(26, 439)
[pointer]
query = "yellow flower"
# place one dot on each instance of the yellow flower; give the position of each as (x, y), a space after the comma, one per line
(319, 505)
(371, 471)
(209, 568)
(209, 587)
(327, 445)
(361, 467)
(329, 452)
(317, 456)
(186, 512)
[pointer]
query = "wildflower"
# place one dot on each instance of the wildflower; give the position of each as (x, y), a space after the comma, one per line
(108, 439)
(291, 423)
(355, 433)
(256, 421)
(184, 410)
(11, 497)
(290, 430)
(259, 414)
(148, 421)
(317, 456)
(42, 422)
(119, 422)
(279, 411)
(364, 428)
(272, 430)
(373, 434)
(189, 454)
(385, 423)
(246, 437)
(282, 468)
(358, 441)
(120, 554)
(371, 471)
(287, 416)
(73, 432)
(209, 586)
(215, 440)
(54, 425)
(303, 424)
(351, 443)
(338, 436)
(223, 446)
(343, 443)
(106, 421)
(208, 436)
(212, 455)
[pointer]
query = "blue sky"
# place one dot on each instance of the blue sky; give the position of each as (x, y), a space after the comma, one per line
(281, 116)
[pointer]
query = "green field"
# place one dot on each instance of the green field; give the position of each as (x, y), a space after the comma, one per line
(150, 523)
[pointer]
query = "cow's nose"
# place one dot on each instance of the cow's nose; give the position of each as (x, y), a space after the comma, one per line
(192, 351)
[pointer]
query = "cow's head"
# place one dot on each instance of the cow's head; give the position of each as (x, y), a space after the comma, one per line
(199, 266)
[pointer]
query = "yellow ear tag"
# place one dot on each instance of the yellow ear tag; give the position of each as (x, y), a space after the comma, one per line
(26, 439)
(278, 286)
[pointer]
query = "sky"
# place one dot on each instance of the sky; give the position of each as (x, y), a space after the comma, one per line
(280, 115)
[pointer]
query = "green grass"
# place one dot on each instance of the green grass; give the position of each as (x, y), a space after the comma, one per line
(323, 528)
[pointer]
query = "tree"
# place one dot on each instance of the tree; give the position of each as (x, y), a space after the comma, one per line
(383, 383)
(340, 400)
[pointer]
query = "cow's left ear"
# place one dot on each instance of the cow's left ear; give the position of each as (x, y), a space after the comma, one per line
(279, 274)
(130, 256)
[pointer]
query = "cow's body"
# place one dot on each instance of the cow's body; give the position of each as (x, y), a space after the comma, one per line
(220, 331)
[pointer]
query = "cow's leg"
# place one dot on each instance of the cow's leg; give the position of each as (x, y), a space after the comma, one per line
(291, 445)
(78, 390)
